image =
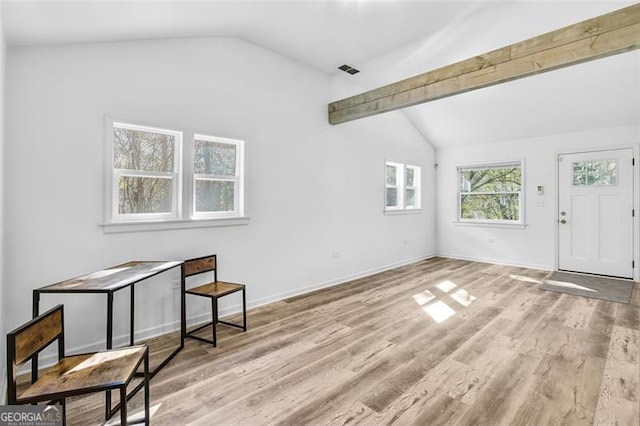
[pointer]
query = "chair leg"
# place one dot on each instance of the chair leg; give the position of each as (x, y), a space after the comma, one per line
(107, 405)
(146, 389)
(63, 403)
(123, 406)
(214, 315)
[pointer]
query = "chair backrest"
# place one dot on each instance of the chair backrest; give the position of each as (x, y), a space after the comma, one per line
(28, 340)
(199, 265)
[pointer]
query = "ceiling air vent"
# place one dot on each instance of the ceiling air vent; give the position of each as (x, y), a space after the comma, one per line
(348, 69)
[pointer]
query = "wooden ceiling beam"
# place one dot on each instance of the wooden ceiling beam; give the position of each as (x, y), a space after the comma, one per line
(596, 38)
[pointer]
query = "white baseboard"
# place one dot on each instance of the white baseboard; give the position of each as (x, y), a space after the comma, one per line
(155, 331)
(497, 262)
(334, 282)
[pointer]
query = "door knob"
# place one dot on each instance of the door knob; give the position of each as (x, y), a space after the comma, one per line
(563, 221)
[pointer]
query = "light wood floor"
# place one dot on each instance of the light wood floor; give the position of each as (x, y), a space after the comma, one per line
(369, 352)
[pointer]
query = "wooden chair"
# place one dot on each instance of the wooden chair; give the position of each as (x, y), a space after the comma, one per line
(213, 290)
(71, 375)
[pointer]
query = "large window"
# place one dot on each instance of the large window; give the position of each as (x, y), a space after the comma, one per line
(161, 175)
(146, 172)
(491, 193)
(402, 186)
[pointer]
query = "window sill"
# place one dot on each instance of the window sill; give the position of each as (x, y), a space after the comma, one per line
(120, 227)
(490, 224)
(404, 211)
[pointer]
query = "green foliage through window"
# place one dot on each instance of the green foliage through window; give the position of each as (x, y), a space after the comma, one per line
(490, 193)
(595, 173)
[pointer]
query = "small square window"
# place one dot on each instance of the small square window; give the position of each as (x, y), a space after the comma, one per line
(402, 187)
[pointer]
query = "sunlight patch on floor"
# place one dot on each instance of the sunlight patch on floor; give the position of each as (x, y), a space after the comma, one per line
(439, 311)
(463, 297)
(424, 297)
(525, 279)
(570, 285)
(446, 286)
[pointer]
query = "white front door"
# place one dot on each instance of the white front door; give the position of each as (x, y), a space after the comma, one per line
(595, 212)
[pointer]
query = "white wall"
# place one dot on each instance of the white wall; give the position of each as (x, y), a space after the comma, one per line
(311, 188)
(3, 302)
(533, 246)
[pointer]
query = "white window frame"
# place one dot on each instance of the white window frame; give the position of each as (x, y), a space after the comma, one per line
(521, 193)
(175, 176)
(183, 215)
(417, 178)
(401, 187)
(238, 179)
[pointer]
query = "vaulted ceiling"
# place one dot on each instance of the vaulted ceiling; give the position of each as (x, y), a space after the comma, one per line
(387, 41)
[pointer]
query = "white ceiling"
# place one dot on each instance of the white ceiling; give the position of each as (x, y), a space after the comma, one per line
(321, 34)
(388, 41)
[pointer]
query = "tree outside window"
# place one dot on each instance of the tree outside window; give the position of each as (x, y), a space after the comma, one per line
(217, 175)
(145, 171)
(149, 170)
(491, 193)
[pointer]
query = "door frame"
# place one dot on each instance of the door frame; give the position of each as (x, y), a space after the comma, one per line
(635, 198)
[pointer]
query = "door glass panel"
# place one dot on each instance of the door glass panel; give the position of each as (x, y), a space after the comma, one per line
(595, 173)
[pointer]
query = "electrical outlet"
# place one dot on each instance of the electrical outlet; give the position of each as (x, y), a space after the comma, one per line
(406, 242)
(335, 253)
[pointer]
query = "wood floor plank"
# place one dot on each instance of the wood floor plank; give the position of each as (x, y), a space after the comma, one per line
(618, 403)
(505, 394)
(437, 342)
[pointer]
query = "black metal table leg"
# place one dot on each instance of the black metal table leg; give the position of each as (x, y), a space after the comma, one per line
(183, 311)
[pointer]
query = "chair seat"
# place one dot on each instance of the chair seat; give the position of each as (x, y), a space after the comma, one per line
(215, 289)
(87, 372)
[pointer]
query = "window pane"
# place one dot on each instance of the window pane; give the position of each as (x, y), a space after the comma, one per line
(214, 196)
(142, 150)
(595, 173)
(391, 175)
(392, 197)
(580, 173)
(491, 180)
(144, 195)
(409, 175)
(214, 158)
(490, 207)
(411, 197)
